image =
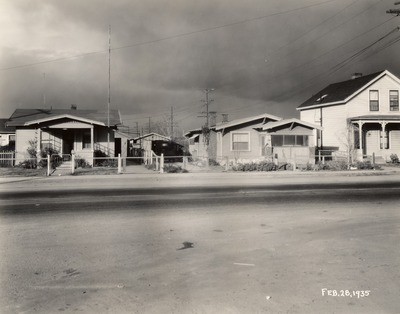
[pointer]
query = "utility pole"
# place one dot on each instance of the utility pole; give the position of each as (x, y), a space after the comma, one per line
(207, 101)
(44, 90)
(109, 90)
(137, 129)
(149, 124)
(394, 11)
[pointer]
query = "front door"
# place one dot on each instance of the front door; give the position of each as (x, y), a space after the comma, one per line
(68, 141)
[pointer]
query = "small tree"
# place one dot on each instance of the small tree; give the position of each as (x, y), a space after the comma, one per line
(347, 138)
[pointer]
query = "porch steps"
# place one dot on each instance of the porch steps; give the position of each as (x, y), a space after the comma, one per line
(63, 169)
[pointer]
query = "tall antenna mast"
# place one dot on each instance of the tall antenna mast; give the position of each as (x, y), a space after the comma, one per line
(109, 89)
(44, 90)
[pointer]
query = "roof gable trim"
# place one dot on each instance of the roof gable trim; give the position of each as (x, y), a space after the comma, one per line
(68, 116)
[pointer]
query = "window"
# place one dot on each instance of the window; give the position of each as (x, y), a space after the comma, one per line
(240, 141)
(373, 100)
(394, 100)
(86, 139)
(289, 140)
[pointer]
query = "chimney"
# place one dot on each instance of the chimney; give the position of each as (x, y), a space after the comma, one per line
(73, 107)
(356, 75)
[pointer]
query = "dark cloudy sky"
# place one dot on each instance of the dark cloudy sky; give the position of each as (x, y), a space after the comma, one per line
(259, 55)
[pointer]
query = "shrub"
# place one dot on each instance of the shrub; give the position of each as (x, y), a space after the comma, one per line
(255, 166)
(82, 163)
(55, 159)
(28, 164)
(335, 165)
(394, 158)
(100, 162)
(174, 169)
(213, 162)
(366, 165)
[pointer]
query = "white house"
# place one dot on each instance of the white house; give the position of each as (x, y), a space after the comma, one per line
(67, 131)
(361, 113)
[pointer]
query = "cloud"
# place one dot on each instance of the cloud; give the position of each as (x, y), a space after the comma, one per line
(148, 79)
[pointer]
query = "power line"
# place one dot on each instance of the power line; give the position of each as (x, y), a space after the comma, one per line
(186, 34)
(291, 69)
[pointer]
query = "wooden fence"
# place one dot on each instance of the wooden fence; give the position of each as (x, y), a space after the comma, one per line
(7, 158)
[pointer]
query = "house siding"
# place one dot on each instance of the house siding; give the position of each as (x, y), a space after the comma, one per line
(22, 138)
(359, 105)
(395, 140)
(255, 145)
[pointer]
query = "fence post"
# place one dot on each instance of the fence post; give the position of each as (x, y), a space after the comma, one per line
(294, 162)
(185, 162)
(373, 159)
(319, 156)
(276, 159)
(162, 163)
(323, 160)
(227, 164)
(119, 164)
(157, 163)
(48, 165)
(72, 163)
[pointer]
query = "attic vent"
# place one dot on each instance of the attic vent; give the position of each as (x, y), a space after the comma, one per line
(356, 75)
(320, 99)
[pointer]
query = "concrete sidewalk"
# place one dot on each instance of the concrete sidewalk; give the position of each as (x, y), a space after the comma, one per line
(176, 180)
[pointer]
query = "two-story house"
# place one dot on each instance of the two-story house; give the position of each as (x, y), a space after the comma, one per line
(360, 114)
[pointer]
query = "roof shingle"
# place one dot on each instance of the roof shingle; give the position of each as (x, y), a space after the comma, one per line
(338, 91)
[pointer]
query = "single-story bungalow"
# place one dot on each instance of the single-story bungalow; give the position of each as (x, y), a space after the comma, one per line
(256, 138)
(67, 131)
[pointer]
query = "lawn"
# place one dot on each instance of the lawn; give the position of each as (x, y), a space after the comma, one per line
(22, 172)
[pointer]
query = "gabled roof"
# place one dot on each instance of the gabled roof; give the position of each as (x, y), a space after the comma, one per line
(272, 125)
(192, 132)
(152, 134)
(236, 122)
(23, 117)
(4, 128)
(342, 92)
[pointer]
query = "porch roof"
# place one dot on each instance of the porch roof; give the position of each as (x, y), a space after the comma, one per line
(23, 117)
(377, 118)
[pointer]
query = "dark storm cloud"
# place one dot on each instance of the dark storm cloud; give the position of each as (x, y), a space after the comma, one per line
(264, 65)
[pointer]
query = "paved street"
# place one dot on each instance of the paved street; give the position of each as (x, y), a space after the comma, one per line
(216, 243)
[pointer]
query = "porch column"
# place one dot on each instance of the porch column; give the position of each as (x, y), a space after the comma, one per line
(360, 137)
(39, 141)
(92, 138)
(383, 138)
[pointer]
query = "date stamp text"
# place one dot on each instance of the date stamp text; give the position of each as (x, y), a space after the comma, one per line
(345, 293)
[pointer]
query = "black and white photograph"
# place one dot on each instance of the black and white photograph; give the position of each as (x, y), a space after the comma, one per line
(213, 156)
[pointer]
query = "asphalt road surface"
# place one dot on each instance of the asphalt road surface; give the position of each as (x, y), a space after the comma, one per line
(288, 248)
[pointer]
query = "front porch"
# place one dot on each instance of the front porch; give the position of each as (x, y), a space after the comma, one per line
(376, 135)
(76, 138)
